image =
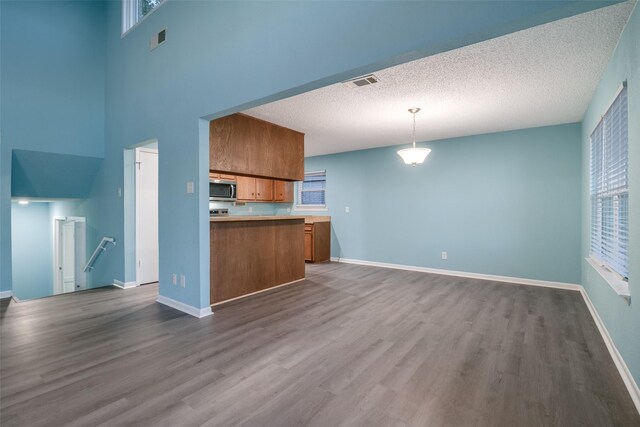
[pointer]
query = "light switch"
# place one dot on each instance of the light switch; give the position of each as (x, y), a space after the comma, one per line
(346, 209)
(190, 187)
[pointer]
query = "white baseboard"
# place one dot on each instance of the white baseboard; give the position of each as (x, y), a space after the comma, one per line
(6, 294)
(124, 285)
(494, 278)
(627, 378)
(185, 308)
(629, 382)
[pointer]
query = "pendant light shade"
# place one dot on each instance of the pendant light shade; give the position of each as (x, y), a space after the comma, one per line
(415, 155)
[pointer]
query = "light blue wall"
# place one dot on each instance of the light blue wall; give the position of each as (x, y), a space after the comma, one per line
(222, 57)
(53, 90)
(505, 204)
(219, 57)
(32, 250)
(622, 321)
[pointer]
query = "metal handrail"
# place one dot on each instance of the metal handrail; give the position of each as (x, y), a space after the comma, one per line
(101, 247)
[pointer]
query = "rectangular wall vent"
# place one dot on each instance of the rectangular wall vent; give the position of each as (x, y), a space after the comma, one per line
(157, 39)
(367, 80)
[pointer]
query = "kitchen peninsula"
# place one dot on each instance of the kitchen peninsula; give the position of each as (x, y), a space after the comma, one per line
(250, 254)
(254, 253)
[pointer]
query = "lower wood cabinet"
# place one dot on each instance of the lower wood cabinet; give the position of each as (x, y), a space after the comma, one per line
(251, 256)
(317, 241)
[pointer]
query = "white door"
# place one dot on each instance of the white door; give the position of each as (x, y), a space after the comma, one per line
(68, 256)
(147, 215)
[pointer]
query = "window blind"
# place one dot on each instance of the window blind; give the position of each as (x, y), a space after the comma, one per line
(311, 191)
(609, 187)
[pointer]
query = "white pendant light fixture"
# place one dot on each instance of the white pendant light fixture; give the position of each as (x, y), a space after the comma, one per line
(414, 156)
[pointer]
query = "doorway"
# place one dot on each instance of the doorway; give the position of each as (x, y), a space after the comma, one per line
(69, 254)
(146, 214)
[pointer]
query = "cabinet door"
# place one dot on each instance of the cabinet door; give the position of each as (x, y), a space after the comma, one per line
(308, 246)
(283, 191)
(246, 188)
(264, 190)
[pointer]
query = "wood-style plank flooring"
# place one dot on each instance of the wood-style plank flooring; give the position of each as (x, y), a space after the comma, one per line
(351, 345)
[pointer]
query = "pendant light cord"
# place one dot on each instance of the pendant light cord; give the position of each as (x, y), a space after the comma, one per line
(414, 129)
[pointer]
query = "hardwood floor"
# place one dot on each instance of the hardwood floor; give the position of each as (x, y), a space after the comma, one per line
(351, 345)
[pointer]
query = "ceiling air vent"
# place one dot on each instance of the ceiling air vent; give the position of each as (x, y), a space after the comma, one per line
(157, 39)
(367, 80)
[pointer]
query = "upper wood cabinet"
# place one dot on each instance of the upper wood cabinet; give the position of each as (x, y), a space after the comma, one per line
(246, 145)
(264, 190)
(246, 188)
(283, 191)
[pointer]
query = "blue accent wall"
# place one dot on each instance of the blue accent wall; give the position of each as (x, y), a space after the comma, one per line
(53, 80)
(219, 57)
(620, 319)
(32, 250)
(504, 204)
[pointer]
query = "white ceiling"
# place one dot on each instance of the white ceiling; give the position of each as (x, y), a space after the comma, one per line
(541, 76)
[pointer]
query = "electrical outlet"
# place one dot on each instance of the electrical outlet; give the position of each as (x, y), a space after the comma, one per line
(444, 255)
(190, 187)
(183, 281)
(174, 278)
(119, 191)
(250, 209)
(346, 209)
(288, 210)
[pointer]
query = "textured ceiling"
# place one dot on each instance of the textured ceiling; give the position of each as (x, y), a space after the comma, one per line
(541, 76)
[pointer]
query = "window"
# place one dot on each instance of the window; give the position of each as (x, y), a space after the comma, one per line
(609, 188)
(134, 10)
(311, 191)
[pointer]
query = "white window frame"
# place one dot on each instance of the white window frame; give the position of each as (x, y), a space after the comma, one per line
(298, 196)
(617, 282)
(130, 17)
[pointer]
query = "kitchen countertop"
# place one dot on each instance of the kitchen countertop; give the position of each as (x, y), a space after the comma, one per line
(314, 219)
(232, 218)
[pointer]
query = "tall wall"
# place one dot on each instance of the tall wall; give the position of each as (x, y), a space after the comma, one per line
(53, 89)
(621, 319)
(504, 204)
(222, 57)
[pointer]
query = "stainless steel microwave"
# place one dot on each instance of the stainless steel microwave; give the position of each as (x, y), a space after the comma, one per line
(220, 190)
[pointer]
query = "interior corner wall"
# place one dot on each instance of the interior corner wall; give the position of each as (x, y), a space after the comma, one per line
(621, 320)
(504, 204)
(53, 65)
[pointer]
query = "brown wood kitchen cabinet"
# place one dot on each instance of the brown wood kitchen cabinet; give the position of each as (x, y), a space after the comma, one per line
(282, 191)
(252, 189)
(245, 145)
(317, 241)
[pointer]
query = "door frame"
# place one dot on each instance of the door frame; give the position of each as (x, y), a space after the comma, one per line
(136, 167)
(79, 254)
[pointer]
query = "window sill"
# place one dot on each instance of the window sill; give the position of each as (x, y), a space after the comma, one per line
(620, 286)
(310, 209)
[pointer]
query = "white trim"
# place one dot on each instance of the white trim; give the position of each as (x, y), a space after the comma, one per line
(627, 378)
(614, 280)
(491, 277)
(257, 292)
(6, 294)
(124, 285)
(185, 308)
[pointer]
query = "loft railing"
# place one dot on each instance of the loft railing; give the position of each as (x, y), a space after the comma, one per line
(102, 246)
